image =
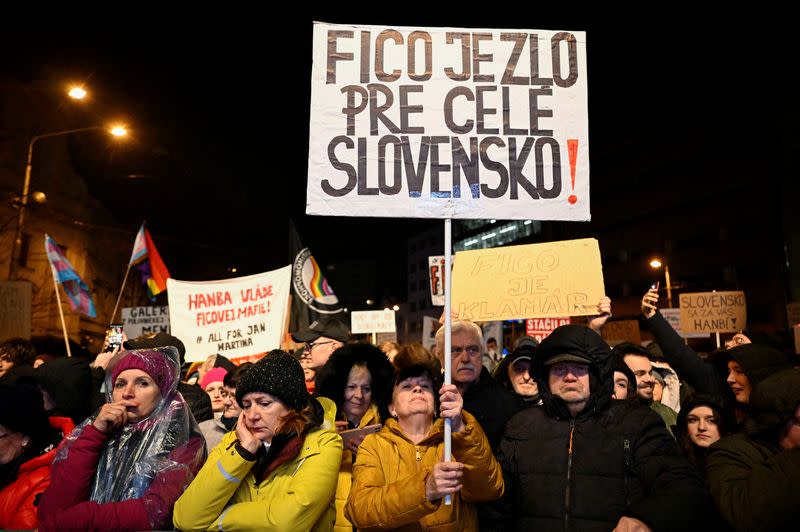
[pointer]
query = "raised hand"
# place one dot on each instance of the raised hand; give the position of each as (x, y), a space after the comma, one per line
(650, 303)
(603, 313)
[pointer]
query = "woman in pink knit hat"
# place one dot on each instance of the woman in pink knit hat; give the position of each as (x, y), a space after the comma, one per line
(125, 466)
(212, 383)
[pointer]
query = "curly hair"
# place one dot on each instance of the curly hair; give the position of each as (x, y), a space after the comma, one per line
(18, 351)
(331, 379)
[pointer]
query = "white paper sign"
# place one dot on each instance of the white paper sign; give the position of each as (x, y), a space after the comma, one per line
(233, 317)
(436, 274)
(429, 327)
(372, 321)
(445, 122)
(138, 321)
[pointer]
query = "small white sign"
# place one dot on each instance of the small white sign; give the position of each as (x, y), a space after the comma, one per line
(372, 321)
(429, 327)
(437, 277)
(138, 321)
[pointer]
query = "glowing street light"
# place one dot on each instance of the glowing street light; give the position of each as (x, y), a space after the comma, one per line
(24, 197)
(118, 131)
(77, 93)
(656, 263)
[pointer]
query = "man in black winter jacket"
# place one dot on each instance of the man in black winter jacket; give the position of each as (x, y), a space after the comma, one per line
(587, 462)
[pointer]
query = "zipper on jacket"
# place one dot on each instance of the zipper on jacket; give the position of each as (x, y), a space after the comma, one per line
(626, 448)
(569, 474)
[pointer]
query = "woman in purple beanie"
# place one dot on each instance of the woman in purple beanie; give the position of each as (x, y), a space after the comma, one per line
(124, 467)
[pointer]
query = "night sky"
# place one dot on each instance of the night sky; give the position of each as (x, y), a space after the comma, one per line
(218, 104)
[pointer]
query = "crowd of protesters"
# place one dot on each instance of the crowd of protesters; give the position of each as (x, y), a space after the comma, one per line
(562, 434)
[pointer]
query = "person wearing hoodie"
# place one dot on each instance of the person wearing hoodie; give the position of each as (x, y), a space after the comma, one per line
(584, 461)
(513, 373)
(754, 475)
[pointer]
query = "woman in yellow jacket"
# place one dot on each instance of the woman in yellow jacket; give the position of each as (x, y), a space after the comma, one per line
(278, 469)
(357, 378)
(399, 478)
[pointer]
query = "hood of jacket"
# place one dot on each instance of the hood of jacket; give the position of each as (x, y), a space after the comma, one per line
(584, 342)
(774, 402)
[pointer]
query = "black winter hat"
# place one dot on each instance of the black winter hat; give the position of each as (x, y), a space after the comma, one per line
(278, 374)
(23, 411)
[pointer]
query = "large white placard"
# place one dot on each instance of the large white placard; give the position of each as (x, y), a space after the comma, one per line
(233, 317)
(138, 321)
(445, 122)
(372, 321)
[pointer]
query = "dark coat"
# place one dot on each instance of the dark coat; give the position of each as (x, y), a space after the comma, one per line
(753, 481)
(614, 459)
(492, 405)
(198, 400)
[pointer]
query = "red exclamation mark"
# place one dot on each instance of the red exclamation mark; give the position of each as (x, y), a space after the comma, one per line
(572, 149)
(269, 306)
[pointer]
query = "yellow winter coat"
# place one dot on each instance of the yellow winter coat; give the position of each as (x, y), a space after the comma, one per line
(297, 495)
(390, 472)
(370, 417)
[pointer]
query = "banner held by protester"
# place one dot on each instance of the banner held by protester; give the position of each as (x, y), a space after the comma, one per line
(713, 312)
(448, 123)
(549, 280)
(233, 317)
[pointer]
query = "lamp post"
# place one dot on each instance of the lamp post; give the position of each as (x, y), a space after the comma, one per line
(656, 263)
(117, 131)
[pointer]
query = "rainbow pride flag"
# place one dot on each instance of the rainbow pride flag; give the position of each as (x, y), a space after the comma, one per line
(146, 259)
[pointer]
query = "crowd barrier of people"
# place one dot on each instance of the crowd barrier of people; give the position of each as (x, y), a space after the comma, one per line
(562, 434)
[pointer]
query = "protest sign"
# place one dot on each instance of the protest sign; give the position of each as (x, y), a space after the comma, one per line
(437, 277)
(429, 327)
(233, 317)
(712, 312)
(616, 332)
(138, 321)
(540, 328)
(372, 321)
(673, 317)
(15, 309)
(448, 123)
(549, 280)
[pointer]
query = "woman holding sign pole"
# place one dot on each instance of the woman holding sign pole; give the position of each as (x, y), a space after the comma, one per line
(399, 478)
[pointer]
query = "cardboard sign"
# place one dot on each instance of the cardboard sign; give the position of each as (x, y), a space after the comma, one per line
(138, 321)
(15, 309)
(616, 332)
(673, 317)
(233, 317)
(540, 328)
(429, 327)
(548, 280)
(443, 122)
(372, 321)
(710, 312)
(437, 276)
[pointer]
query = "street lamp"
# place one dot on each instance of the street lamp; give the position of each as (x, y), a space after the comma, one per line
(117, 131)
(656, 263)
(77, 93)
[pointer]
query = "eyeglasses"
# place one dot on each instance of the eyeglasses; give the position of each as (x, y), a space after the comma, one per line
(472, 350)
(561, 370)
(312, 345)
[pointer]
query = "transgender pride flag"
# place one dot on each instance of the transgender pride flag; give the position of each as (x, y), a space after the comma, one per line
(80, 300)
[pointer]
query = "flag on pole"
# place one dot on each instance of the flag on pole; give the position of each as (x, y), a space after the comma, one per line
(80, 300)
(147, 260)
